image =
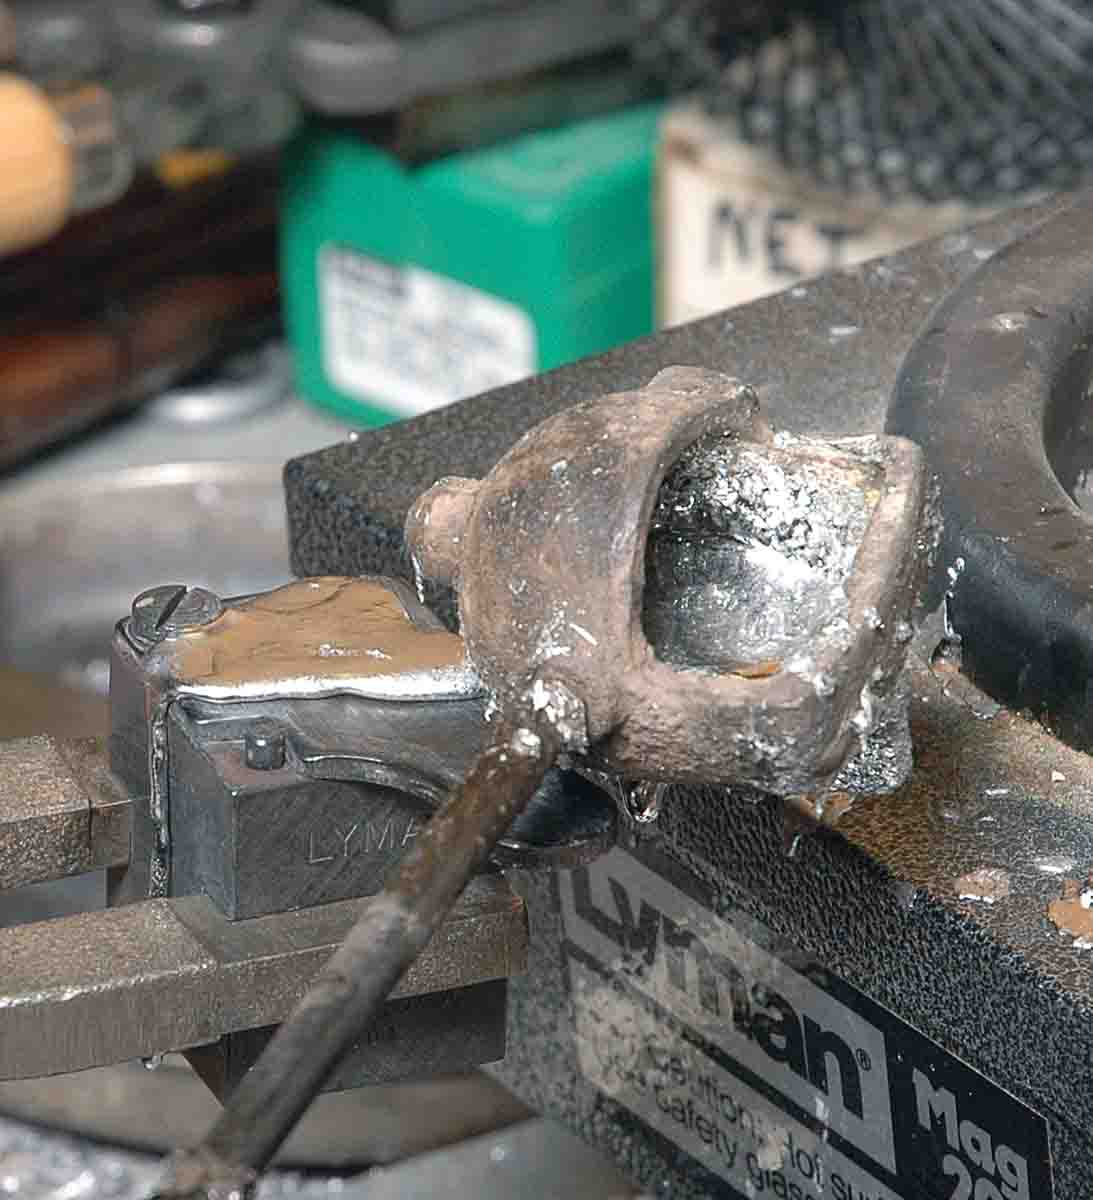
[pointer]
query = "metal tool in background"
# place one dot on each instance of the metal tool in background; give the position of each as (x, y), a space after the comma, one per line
(166, 75)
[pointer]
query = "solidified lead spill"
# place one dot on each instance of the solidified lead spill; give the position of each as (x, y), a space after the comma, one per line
(750, 550)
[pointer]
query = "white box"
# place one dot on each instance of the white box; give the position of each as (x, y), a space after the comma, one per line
(733, 224)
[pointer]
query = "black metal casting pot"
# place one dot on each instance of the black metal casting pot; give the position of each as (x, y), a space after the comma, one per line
(997, 392)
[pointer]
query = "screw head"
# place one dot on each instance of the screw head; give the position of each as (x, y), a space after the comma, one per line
(169, 610)
(263, 750)
(197, 607)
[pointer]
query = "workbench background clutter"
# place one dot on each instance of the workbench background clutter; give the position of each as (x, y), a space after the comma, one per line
(407, 287)
(823, 134)
(478, 191)
(420, 268)
(138, 205)
(420, 265)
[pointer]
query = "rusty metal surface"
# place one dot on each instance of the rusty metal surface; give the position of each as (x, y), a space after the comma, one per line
(100, 988)
(553, 539)
(61, 812)
(552, 577)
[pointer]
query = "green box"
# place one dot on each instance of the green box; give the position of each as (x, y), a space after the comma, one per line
(407, 287)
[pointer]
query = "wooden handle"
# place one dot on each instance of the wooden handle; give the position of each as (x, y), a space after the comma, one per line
(8, 34)
(60, 378)
(36, 169)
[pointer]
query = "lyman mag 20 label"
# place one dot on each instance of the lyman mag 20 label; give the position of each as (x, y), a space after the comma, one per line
(777, 1078)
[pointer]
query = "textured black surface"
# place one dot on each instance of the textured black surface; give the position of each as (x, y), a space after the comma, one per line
(876, 901)
(997, 396)
(940, 973)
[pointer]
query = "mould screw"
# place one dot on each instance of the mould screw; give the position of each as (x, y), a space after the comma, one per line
(264, 751)
(169, 610)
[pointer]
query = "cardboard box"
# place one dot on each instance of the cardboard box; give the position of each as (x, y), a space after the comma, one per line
(733, 224)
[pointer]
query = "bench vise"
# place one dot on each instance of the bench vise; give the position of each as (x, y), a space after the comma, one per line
(257, 780)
